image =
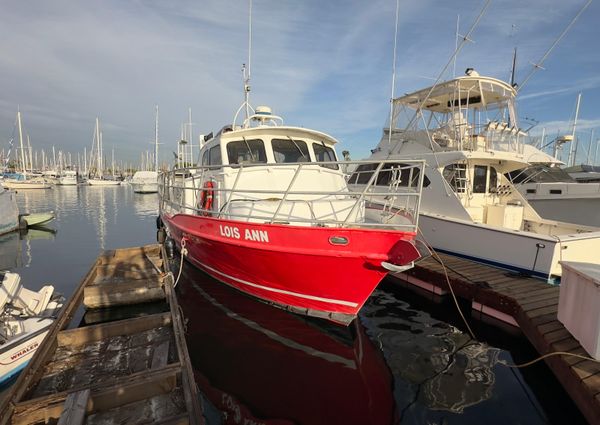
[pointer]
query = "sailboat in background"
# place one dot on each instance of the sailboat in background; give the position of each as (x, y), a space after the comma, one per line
(24, 180)
(147, 181)
(97, 177)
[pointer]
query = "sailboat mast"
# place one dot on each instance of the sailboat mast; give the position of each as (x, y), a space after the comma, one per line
(98, 149)
(572, 152)
(156, 140)
(21, 141)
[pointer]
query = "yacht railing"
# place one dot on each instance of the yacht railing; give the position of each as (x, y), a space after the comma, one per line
(369, 194)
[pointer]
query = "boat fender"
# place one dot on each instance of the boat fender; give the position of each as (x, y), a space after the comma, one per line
(206, 198)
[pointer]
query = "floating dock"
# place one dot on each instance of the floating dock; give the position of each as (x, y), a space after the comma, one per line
(527, 303)
(132, 370)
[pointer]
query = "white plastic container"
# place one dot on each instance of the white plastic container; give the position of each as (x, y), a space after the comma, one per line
(579, 304)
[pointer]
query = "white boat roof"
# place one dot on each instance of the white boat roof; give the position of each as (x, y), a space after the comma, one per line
(282, 131)
(477, 90)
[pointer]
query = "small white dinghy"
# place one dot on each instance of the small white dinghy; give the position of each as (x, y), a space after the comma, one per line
(26, 317)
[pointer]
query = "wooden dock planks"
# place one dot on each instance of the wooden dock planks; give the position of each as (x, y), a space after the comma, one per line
(133, 370)
(533, 305)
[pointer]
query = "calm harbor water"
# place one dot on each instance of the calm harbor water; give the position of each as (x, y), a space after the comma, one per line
(407, 360)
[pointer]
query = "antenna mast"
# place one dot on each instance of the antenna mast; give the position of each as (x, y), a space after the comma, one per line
(244, 68)
(393, 76)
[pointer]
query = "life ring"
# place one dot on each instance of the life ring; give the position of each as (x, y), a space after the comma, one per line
(205, 202)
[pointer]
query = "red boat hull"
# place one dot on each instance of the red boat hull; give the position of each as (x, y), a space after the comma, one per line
(298, 268)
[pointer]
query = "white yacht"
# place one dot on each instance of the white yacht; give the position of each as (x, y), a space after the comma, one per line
(467, 132)
(67, 178)
(145, 182)
(556, 195)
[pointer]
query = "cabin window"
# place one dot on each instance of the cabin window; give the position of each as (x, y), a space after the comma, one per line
(205, 158)
(324, 154)
(249, 151)
(289, 150)
(456, 176)
(408, 176)
(555, 191)
(479, 178)
(493, 179)
(362, 174)
(215, 155)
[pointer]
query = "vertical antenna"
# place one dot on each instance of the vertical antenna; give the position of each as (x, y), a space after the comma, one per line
(514, 68)
(456, 44)
(247, 75)
(393, 75)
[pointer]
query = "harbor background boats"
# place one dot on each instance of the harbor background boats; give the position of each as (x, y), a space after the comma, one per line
(411, 343)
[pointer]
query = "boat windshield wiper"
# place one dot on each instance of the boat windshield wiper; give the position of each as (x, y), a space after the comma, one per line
(249, 150)
(302, 154)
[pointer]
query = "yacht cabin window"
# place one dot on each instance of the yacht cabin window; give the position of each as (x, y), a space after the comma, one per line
(456, 176)
(290, 150)
(247, 151)
(480, 179)
(215, 155)
(323, 154)
(408, 176)
(212, 156)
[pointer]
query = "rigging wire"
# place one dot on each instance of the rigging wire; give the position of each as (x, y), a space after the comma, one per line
(539, 63)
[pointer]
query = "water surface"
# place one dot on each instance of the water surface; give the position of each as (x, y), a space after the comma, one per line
(406, 360)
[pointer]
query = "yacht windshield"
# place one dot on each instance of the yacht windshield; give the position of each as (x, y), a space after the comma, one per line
(323, 154)
(246, 152)
(290, 150)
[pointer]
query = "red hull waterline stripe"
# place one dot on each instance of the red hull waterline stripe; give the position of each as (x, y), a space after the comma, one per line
(281, 291)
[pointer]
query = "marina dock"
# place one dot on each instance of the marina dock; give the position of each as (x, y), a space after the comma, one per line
(527, 303)
(126, 362)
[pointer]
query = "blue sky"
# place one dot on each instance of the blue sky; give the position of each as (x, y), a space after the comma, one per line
(320, 64)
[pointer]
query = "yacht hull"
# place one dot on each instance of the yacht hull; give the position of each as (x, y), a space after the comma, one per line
(9, 213)
(293, 267)
(525, 252)
(144, 187)
(102, 182)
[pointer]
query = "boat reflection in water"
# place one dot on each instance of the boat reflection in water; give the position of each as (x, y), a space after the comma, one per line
(440, 374)
(396, 364)
(260, 365)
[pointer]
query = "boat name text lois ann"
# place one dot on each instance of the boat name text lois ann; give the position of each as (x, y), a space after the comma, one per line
(249, 234)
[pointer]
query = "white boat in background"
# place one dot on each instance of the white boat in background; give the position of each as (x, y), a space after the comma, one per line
(97, 178)
(147, 181)
(557, 196)
(9, 212)
(68, 178)
(585, 173)
(466, 130)
(26, 317)
(24, 179)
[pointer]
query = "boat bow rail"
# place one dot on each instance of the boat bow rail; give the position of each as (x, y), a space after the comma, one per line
(284, 193)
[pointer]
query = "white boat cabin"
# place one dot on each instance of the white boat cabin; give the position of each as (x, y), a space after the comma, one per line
(270, 173)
